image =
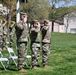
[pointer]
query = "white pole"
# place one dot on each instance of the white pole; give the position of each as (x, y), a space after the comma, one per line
(18, 11)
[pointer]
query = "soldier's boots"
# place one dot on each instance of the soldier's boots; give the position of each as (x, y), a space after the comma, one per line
(22, 70)
(4, 48)
(45, 66)
(35, 67)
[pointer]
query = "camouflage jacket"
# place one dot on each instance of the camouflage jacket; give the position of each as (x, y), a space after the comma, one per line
(35, 34)
(46, 34)
(12, 28)
(22, 32)
(1, 28)
(5, 28)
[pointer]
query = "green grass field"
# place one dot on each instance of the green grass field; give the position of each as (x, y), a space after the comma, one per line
(62, 59)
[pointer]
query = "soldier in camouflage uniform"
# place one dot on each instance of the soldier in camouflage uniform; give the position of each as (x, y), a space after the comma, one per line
(46, 32)
(5, 30)
(22, 39)
(1, 33)
(12, 33)
(35, 42)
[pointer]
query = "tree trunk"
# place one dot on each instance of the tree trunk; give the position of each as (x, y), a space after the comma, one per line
(52, 26)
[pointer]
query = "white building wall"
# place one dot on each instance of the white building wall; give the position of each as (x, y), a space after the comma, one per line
(71, 23)
(59, 28)
(56, 27)
(62, 28)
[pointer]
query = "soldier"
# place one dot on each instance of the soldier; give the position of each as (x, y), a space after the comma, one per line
(5, 30)
(22, 39)
(46, 32)
(1, 33)
(11, 34)
(35, 42)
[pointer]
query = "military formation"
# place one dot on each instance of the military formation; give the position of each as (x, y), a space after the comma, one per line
(39, 35)
(6, 32)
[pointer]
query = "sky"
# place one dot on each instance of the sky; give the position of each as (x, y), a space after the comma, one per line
(62, 3)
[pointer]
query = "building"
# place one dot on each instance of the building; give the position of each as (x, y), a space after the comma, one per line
(70, 22)
(68, 25)
(59, 26)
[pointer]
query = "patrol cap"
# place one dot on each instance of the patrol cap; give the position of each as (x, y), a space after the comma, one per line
(46, 21)
(24, 14)
(35, 21)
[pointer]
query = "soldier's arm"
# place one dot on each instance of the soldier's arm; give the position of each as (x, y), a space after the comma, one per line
(36, 30)
(37, 27)
(19, 26)
(13, 24)
(4, 22)
(45, 28)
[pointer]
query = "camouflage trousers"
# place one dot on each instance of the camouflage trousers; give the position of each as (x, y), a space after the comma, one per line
(35, 48)
(22, 52)
(1, 41)
(11, 40)
(45, 53)
(4, 40)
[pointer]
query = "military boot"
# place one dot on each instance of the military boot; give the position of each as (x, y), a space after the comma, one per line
(4, 48)
(35, 67)
(22, 70)
(46, 66)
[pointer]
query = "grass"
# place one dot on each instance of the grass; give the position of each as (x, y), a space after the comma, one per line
(62, 59)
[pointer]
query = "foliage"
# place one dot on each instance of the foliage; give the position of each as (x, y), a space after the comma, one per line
(60, 12)
(41, 9)
(10, 4)
(56, 13)
(36, 9)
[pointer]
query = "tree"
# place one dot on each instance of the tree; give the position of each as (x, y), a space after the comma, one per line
(11, 5)
(69, 17)
(56, 13)
(36, 9)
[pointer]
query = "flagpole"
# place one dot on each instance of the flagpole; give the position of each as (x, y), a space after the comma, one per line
(17, 11)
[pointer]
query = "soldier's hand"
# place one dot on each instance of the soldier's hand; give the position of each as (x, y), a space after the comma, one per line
(47, 23)
(37, 25)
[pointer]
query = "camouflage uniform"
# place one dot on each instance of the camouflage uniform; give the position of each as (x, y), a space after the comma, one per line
(45, 44)
(11, 34)
(22, 39)
(35, 44)
(1, 33)
(5, 30)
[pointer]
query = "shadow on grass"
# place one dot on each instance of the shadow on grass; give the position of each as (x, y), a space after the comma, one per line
(2, 69)
(12, 67)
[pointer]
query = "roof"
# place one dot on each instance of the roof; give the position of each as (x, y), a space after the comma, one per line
(59, 22)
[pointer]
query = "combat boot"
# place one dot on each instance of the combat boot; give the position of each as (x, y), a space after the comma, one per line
(4, 48)
(22, 70)
(35, 67)
(45, 66)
